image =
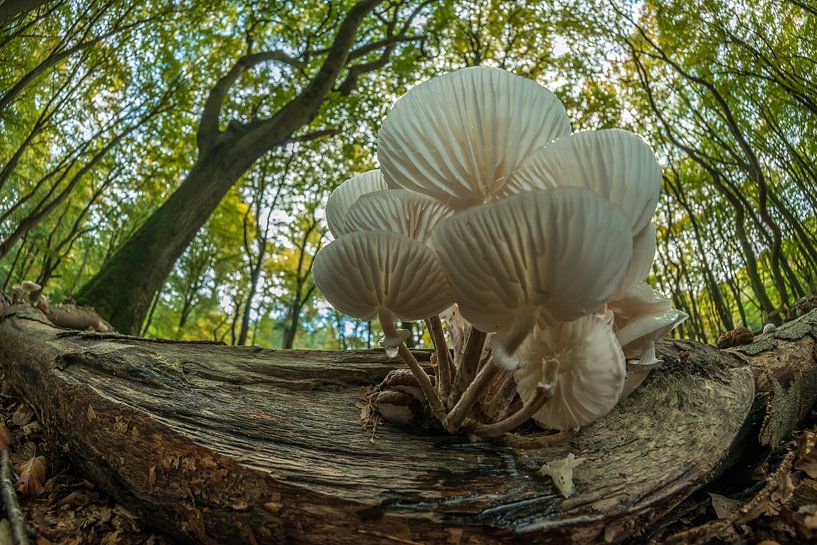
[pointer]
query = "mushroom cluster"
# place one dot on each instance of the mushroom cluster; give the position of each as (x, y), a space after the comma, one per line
(489, 210)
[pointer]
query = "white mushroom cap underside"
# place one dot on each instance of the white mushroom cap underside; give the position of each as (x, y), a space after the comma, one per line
(563, 250)
(397, 210)
(345, 195)
(614, 163)
(591, 371)
(457, 137)
(362, 272)
(640, 299)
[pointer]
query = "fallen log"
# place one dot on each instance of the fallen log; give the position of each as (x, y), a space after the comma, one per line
(218, 444)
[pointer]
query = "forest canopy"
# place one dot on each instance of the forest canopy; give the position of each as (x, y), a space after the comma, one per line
(168, 162)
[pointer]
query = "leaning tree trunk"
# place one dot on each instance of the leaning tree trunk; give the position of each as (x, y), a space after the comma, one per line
(215, 444)
(122, 290)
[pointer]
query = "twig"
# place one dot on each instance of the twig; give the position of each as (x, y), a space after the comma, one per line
(19, 531)
(539, 440)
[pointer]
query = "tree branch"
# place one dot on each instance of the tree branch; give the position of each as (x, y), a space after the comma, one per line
(209, 131)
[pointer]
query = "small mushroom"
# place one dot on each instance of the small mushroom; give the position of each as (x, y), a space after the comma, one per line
(30, 286)
(641, 299)
(379, 272)
(397, 210)
(648, 328)
(345, 195)
(769, 328)
(512, 259)
(396, 407)
(457, 137)
(368, 273)
(735, 337)
(614, 163)
(588, 362)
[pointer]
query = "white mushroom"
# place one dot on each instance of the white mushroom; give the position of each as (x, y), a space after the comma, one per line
(639, 332)
(397, 210)
(514, 258)
(30, 286)
(614, 163)
(384, 273)
(379, 272)
(589, 365)
(639, 300)
(345, 195)
(769, 328)
(457, 137)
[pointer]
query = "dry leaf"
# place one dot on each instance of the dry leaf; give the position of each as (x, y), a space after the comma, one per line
(32, 428)
(22, 415)
(725, 508)
(6, 438)
(32, 477)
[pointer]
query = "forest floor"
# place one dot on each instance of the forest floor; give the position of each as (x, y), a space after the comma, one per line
(773, 499)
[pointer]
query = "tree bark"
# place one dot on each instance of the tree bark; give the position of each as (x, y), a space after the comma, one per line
(215, 444)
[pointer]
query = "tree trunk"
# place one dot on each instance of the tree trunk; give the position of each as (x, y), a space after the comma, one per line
(245, 316)
(222, 445)
(292, 323)
(121, 291)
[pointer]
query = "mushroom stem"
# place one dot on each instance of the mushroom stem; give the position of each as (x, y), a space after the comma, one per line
(425, 382)
(433, 399)
(539, 440)
(469, 362)
(543, 393)
(455, 418)
(497, 404)
(444, 363)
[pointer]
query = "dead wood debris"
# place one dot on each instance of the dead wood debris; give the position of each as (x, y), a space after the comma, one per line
(735, 337)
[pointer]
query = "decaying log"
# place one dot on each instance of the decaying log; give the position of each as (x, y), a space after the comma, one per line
(216, 444)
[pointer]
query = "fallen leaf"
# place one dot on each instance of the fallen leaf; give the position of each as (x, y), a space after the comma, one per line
(6, 438)
(32, 477)
(22, 415)
(725, 508)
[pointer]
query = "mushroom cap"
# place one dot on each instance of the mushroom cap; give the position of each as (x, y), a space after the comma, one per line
(345, 195)
(28, 285)
(405, 212)
(642, 330)
(591, 371)
(366, 271)
(639, 300)
(457, 137)
(614, 163)
(640, 263)
(509, 258)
